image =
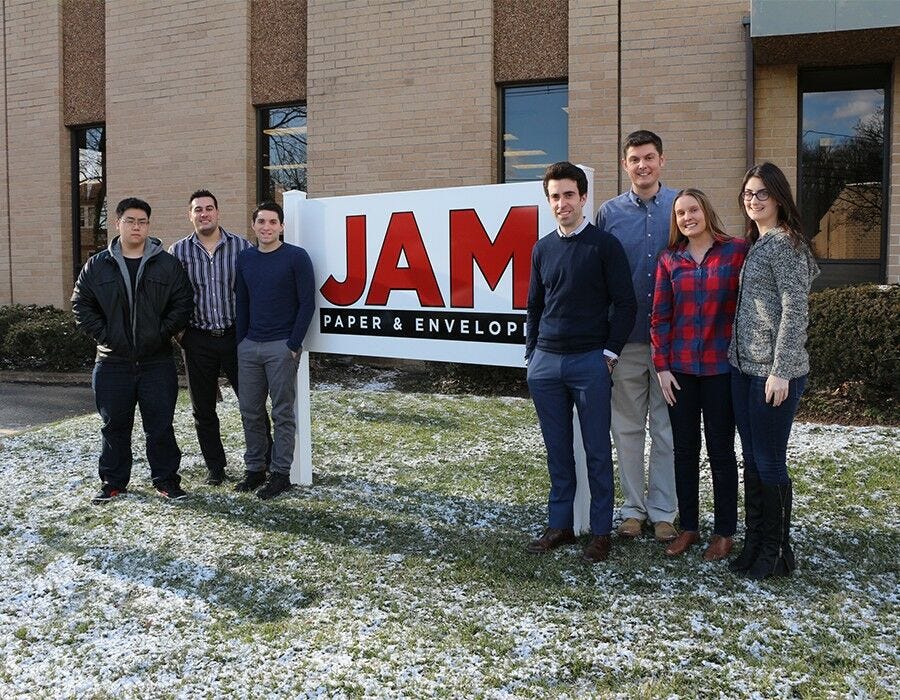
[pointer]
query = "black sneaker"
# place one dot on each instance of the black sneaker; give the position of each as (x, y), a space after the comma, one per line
(215, 477)
(277, 483)
(170, 490)
(107, 493)
(251, 481)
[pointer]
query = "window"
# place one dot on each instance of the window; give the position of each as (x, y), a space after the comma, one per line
(89, 230)
(535, 130)
(843, 171)
(282, 151)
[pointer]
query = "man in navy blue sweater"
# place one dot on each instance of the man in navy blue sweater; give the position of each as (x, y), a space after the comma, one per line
(572, 345)
(275, 298)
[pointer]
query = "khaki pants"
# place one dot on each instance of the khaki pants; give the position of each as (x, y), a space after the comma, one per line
(636, 393)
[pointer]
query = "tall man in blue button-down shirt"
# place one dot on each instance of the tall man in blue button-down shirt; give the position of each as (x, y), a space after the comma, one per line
(639, 218)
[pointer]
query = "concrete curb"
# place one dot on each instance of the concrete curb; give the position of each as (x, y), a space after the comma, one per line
(59, 378)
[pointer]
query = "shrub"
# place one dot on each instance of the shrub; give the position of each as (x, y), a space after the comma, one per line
(42, 338)
(854, 353)
(854, 335)
(14, 313)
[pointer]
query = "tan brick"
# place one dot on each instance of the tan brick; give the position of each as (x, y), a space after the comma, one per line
(36, 267)
(179, 113)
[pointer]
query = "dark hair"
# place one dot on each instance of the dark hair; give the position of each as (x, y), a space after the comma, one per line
(204, 193)
(269, 206)
(677, 239)
(132, 203)
(564, 170)
(779, 190)
(639, 138)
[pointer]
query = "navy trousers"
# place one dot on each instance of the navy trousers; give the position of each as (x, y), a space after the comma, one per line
(558, 383)
(764, 428)
(711, 397)
(119, 387)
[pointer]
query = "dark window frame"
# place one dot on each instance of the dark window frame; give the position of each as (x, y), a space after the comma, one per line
(262, 119)
(845, 78)
(75, 185)
(501, 116)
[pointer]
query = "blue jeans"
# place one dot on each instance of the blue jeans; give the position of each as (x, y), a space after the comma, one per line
(557, 383)
(710, 396)
(764, 428)
(119, 387)
(267, 369)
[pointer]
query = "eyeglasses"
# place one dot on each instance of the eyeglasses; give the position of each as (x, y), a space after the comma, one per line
(132, 222)
(761, 195)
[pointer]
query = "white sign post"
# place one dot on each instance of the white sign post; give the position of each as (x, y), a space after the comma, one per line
(430, 275)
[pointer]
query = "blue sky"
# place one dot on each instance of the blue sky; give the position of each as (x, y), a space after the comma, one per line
(834, 114)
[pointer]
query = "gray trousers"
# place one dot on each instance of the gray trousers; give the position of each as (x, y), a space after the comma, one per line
(267, 370)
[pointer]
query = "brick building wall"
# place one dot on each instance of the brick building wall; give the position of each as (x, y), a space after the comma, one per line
(37, 153)
(5, 232)
(593, 92)
(178, 109)
(893, 256)
(775, 105)
(685, 80)
(401, 95)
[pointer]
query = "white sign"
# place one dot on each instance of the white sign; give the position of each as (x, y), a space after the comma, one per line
(429, 274)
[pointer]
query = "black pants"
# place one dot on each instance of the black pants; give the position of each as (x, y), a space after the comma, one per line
(119, 388)
(205, 357)
(710, 396)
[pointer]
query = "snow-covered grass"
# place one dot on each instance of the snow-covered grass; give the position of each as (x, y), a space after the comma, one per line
(401, 573)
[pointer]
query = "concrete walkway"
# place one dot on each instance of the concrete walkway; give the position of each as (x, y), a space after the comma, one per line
(26, 405)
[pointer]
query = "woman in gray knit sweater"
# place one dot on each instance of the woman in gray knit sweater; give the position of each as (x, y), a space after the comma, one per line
(769, 364)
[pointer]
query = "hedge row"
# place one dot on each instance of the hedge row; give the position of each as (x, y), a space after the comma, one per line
(854, 338)
(42, 338)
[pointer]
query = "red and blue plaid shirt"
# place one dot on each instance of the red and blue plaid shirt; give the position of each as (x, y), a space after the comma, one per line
(693, 308)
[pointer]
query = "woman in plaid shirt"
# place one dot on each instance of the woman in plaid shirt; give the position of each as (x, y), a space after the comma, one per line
(690, 328)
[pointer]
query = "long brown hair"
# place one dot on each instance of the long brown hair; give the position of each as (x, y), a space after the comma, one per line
(676, 238)
(780, 190)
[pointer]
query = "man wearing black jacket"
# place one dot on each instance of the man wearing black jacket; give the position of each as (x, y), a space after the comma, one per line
(131, 299)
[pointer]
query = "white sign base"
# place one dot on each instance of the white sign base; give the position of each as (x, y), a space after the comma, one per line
(301, 467)
(582, 505)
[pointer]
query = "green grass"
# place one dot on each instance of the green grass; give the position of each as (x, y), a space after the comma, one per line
(402, 573)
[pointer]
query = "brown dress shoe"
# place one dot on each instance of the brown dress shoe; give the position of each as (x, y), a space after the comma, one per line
(551, 539)
(719, 548)
(664, 532)
(682, 543)
(630, 527)
(597, 550)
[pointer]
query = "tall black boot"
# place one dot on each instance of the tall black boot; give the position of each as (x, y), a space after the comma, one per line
(753, 523)
(775, 557)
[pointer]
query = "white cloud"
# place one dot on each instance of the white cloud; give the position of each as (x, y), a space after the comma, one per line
(856, 108)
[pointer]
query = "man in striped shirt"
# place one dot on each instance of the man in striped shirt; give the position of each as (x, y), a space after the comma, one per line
(209, 255)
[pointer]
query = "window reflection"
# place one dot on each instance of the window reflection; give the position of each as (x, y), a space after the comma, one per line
(283, 151)
(535, 130)
(89, 193)
(842, 171)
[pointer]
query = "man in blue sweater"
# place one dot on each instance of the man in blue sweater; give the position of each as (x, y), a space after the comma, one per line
(275, 297)
(571, 348)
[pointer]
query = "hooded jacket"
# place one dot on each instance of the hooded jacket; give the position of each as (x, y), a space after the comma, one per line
(133, 325)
